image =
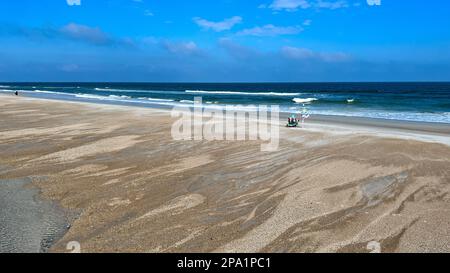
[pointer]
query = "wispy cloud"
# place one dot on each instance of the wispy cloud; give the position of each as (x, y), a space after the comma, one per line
(298, 53)
(374, 2)
(92, 35)
(331, 4)
(73, 2)
(270, 30)
(290, 5)
(148, 13)
(226, 24)
(294, 5)
(186, 48)
(307, 22)
(72, 31)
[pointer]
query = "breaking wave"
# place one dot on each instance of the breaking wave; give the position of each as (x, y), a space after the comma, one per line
(243, 93)
(308, 100)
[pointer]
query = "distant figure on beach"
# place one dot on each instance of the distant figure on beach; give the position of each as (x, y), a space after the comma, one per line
(16, 93)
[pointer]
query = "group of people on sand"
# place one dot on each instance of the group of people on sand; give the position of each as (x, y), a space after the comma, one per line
(293, 120)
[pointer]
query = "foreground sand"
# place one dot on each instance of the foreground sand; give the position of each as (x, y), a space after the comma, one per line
(137, 190)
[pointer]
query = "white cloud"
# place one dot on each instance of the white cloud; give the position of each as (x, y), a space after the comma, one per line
(294, 5)
(81, 32)
(270, 30)
(73, 2)
(290, 5)
(218, 26)
(297, 52)
(374, 2)
(331, 4)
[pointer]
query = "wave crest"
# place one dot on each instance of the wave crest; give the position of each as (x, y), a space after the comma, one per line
(307, 100)
(242, 93)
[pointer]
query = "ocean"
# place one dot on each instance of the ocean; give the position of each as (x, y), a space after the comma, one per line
(426, 102)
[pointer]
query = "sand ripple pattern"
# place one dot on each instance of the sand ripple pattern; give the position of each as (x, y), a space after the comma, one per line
(327, 189)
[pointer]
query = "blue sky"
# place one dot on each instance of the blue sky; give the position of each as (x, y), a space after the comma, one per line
(224, 40)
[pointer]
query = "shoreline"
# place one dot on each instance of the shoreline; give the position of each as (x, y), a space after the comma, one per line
(418, 130)
(414, 126)
(159, 105)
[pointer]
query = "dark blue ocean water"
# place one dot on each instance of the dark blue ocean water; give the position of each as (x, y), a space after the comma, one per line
(401, 101)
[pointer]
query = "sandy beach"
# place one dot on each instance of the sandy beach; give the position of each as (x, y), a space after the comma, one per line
(337, 185)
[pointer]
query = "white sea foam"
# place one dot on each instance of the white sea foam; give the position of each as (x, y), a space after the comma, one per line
(369, 113)
(403, 116)
(107, 89)
(27, 91)
(307, 100)
(61, 87)
(88, 96)
(154, 99)
(49, 92)
(138, 91)
(119, 97)
(120, 90)
(37, 91)
(243, 93)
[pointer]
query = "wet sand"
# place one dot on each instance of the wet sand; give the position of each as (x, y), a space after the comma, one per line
(331, 187)
(27, 223)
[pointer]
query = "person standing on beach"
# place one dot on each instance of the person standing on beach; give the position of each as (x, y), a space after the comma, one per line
(16, 93)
